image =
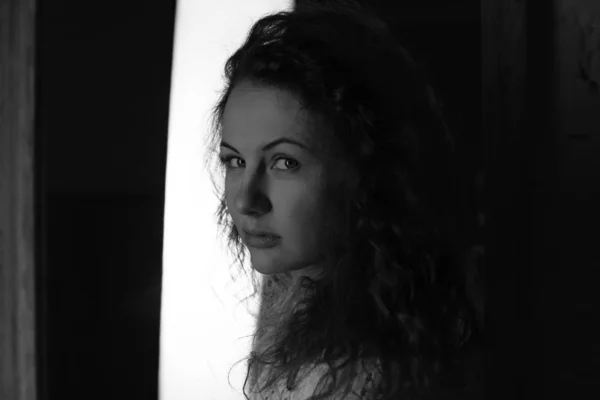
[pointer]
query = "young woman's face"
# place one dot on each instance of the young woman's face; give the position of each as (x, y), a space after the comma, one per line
(275, 178)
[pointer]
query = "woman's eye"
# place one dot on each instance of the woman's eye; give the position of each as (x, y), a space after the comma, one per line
(287, 164)
(282, 163)
(225, 160)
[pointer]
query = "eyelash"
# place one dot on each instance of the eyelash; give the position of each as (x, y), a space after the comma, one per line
(226, 159)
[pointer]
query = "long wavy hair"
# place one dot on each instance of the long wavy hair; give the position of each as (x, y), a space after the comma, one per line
(394, 289)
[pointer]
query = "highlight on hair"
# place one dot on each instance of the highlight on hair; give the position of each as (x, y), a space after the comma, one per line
(394, 289)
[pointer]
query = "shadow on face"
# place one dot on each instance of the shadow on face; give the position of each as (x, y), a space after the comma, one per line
(275, 180)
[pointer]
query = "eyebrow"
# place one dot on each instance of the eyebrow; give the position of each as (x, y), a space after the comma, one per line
(269, 146)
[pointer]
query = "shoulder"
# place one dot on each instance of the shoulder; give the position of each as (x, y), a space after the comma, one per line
(366, 380)
(363, 382)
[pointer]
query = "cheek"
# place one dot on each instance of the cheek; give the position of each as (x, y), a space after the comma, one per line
(305, 218)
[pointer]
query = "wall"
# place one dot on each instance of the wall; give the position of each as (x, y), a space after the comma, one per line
(571, 350)
(103, 96)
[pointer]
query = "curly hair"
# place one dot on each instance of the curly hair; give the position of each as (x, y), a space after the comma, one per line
(394, 289)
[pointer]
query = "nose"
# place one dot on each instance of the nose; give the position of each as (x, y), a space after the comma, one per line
(250, 199)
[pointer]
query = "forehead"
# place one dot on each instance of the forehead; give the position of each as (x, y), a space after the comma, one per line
(259, 112)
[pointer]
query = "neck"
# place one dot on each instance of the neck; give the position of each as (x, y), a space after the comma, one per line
(279, 295)
(286, 284)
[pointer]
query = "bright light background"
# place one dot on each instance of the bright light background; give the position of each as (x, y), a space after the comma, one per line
(204, 327)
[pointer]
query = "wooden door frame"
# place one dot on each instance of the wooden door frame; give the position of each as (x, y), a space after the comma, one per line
(18, 355)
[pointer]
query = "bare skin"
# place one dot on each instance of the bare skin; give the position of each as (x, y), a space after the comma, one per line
(278, 189)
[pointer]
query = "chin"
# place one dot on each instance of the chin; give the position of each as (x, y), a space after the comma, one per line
(264, 264)
(266, 269)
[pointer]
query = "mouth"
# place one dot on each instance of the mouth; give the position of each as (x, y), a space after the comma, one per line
(259, 233)
(260, 239)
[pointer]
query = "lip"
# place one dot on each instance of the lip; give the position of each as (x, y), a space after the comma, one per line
(258, 232)
(260, 239)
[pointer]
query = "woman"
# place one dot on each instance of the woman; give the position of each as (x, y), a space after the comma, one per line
(338, 181)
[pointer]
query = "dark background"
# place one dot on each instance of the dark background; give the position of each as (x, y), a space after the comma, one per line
(103, 85)
(104, 71)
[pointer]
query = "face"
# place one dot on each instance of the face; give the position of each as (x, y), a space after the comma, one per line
(275, 179)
